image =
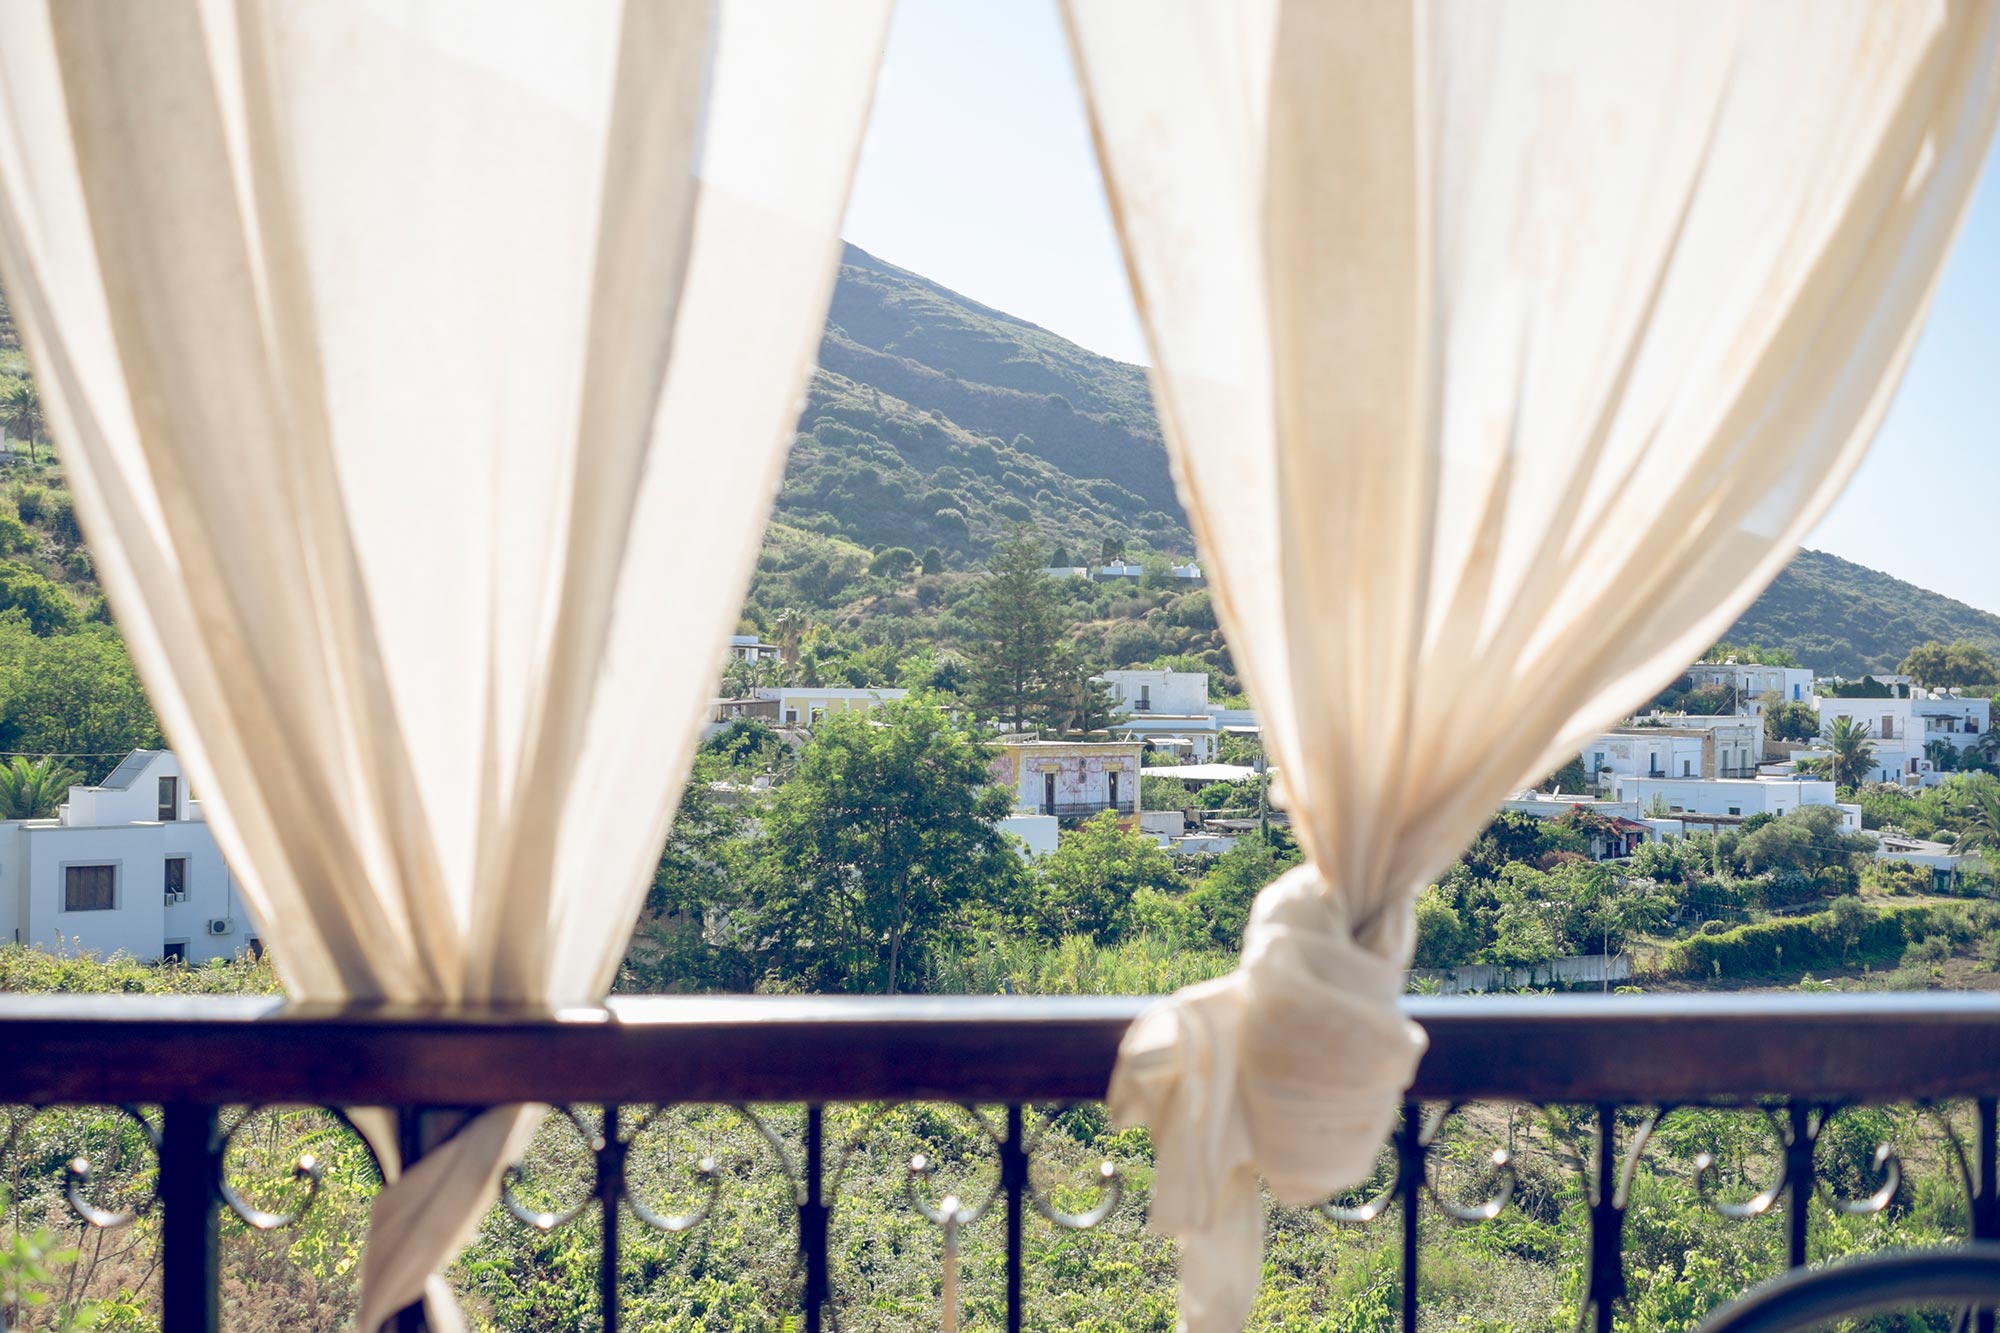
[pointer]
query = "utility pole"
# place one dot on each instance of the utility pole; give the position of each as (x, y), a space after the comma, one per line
(1263, 792)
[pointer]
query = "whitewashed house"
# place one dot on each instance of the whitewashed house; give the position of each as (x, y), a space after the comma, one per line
(1167, 708)
(128, 866)
(803, 705)
(1754, 684)
(1729, 798)
(1718, 747)
(750, 648)
(1896, 730)
(1951, 718)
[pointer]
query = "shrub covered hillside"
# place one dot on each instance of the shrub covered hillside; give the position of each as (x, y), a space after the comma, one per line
(1840, 618)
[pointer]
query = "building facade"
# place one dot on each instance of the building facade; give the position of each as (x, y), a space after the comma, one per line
(1168, 709)
(1895, 729)
(1070, 779)
(1717, 747)
(128, 866)
(803, 705)
(1754, 685)
(1957, 721)
(1730, 798)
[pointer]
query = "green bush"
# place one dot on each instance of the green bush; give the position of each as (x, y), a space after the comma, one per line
(1849, 935)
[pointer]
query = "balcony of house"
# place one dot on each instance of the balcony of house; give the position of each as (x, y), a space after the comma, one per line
(1612, 1069)
(1086, 809)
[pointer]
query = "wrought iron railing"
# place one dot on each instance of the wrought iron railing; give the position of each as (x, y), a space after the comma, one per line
(1085, 809)
(1627, 1061)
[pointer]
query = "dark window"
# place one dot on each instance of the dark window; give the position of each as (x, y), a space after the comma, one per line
(255, 946)
(176, 952)
(1048, 793)
(1114, 788)
(90, 888)
(170, 799)
(177, 879)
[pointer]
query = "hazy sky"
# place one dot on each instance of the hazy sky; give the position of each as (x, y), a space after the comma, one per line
(978, 173)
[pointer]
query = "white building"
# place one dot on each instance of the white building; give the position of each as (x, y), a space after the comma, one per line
(1755, 684)
(128, 866)
(1167, 708)
(1038, 832)
(1895, 729)
(1707, 747)
(803, 705)
(1947, 717)
(1732, 798)
(750, 648)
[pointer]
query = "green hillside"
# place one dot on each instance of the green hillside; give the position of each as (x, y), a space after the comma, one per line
(954, 406)
(938, 422)
(1841, 618)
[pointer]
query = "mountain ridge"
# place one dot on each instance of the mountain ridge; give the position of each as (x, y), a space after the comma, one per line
(939, 421)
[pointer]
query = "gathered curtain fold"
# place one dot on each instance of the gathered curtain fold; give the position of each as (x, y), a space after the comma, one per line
(1503, 352)
(423, 372)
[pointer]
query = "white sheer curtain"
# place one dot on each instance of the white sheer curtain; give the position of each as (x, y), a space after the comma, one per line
(423, 369)
(1504, 352)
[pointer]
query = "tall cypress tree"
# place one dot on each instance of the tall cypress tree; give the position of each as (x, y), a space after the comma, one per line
(1016, 623)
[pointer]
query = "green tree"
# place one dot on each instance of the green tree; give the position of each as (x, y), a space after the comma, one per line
(1751, 654)
(1088, 884)
(933, 560)
(1976, 813)
(48, 608)
(1077, 700)
(1961, 662)
(32, 789)
(1853, 752)
(1570, 778)
(1523, 923)
(21, 407)
(893, 562)
(690, 935)
(880, 845)
(1014, 623)
(1443, 940)
(1789, 721)
(1222, 899)
(73, 694)
(1806, 844)
(789, 630)
(1616, 909)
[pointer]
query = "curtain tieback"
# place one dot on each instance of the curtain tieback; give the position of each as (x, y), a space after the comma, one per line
(1290, 1068)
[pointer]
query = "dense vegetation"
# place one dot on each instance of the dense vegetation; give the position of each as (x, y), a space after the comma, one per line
(1845, 619)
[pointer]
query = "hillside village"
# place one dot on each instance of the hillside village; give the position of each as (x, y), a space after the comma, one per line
(977, 523)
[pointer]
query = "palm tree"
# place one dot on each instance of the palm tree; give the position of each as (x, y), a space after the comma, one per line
(1853, 753)
(790, 628)
(21, 407)
(33, 789)
(1978, 811)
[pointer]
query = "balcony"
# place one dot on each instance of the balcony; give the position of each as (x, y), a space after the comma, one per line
(1084, 809)
(1622, 1063)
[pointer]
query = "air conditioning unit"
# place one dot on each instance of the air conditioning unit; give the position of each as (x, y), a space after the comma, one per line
(220, 925)
(176, 898)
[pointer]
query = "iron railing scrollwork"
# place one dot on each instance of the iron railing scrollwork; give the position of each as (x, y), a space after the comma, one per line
(1610, 1071)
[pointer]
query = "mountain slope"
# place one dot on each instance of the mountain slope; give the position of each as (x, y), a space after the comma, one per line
(1845, 619)
(1016, 412)
(938, 421)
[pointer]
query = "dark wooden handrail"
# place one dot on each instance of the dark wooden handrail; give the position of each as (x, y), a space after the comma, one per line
(1649, 1049)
